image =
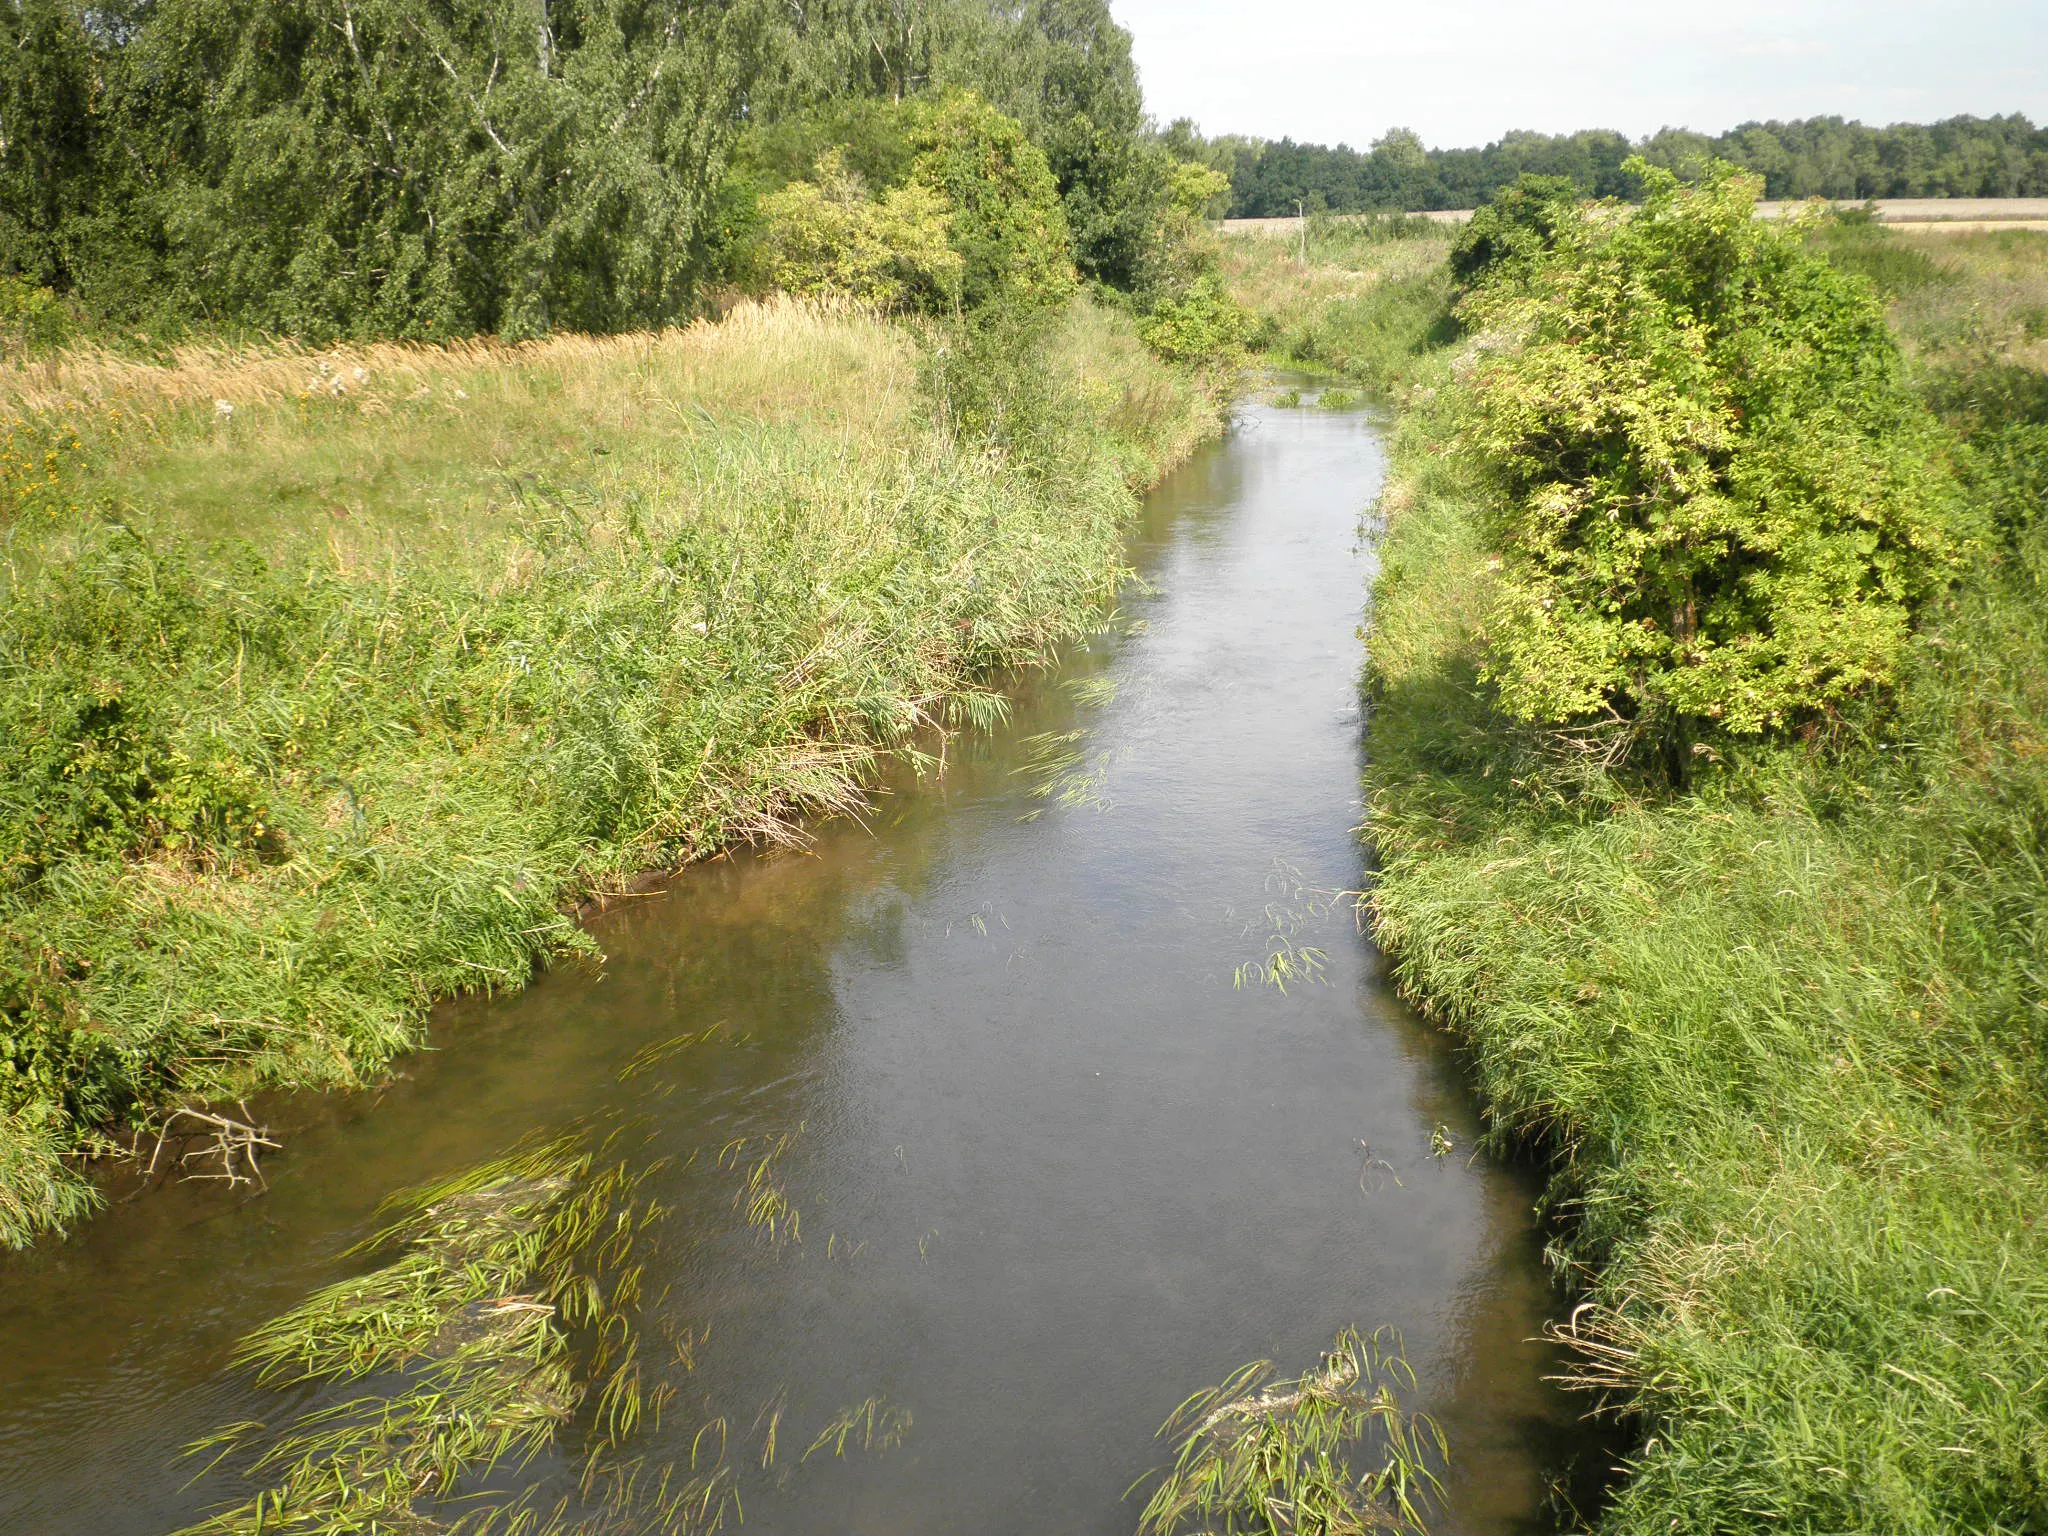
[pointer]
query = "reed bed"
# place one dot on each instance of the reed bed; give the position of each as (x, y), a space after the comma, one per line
(312, 712)
(779, 355)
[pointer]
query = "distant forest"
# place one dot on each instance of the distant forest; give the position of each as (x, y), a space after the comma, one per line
(1808, 157)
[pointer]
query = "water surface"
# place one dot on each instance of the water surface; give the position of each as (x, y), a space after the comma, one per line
(1061, 1156)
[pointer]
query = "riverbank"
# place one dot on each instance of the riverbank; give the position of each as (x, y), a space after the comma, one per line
(1777, 1036)
(333, 679)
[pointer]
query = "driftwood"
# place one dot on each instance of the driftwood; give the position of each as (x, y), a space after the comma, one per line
(232, 1143)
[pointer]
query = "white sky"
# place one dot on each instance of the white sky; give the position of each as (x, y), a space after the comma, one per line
(1463, 72)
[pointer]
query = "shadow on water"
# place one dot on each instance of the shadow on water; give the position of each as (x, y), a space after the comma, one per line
(1056, 1158)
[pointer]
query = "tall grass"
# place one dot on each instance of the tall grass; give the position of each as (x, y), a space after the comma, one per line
(1780, 1040)
(333, 680)
(1369, 302)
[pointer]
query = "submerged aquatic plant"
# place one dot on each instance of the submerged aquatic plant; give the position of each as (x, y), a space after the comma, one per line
(1295, 908)
(506, 1317)
(1060, 770)
(1275, 1458)
(489, 1275)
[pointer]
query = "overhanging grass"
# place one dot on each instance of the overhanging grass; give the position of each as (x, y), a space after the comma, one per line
(322, 701)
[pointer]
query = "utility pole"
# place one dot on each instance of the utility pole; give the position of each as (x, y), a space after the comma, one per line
(1301, 213)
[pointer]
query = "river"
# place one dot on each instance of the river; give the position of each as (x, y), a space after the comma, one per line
(1062, 1153)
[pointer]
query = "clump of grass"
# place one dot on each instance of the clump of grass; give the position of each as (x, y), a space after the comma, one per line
(1061, 770)
(873, 1424)
(323, 706)
(487, 1278)
(1279, 1457)
(761, 1197)
(1292, 911)
(1894, 264)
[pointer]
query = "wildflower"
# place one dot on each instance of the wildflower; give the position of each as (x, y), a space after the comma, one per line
(224, 410)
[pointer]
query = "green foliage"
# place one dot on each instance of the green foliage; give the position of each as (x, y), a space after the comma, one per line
(826, 237)
(1779, 1040)
(1007, 222)
(1716, 500)
(49, 149)
(1811, 157)
(1851, 240)
(360, 168)
(1259, 1457)
(487, 1277)
(32, 320)
(1524, 224)
(1203, 325)
(1777, 1037)
(374, 169)
(975, 220)
(1373, 303)
(1089, 116)
(1192, 189)
(2006, 473)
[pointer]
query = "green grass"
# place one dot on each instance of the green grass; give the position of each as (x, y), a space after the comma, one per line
(1255, 1456)
(1369, 304)
(328, 699)
(506, 1304)
(1781, 1041)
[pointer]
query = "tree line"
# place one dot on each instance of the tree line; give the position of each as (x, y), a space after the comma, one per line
(391, 168)
(1805, 157)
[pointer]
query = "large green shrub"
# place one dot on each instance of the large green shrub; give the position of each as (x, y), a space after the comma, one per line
(973, 219)
(1716, 503)
(1007, 222)
(1521, 226)
(828, 237)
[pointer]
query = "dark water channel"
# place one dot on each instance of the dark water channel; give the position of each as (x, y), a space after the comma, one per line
(1057, 1164)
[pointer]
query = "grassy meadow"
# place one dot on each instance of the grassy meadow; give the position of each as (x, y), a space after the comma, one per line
(1780, 1035)
(330, 681)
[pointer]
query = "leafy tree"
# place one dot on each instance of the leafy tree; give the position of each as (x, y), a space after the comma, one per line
(374, 166)
(974, 219)
(1007, 222)
(1202, 324)
(1717, 503)
(827, 236)
(1071, 82)
(1811, 157)
(49, 141)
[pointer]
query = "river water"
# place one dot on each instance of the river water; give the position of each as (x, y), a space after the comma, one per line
(1061, 1154)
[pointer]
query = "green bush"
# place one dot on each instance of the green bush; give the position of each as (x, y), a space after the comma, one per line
(827, 237)
(1716, 503)
(1202, 325)
(1525, 222)
(1007, 222)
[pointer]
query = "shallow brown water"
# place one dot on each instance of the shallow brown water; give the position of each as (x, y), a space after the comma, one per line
(1056, 1167)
